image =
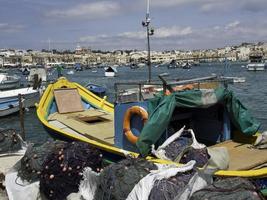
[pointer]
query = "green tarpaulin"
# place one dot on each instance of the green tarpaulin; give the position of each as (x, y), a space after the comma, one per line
(161, 108)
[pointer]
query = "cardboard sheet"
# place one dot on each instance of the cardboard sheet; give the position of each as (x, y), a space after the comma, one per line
(68, 100)
(242, 156)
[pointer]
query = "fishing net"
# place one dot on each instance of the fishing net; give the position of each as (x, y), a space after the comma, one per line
(62, 169)
(171, 188)
(228, 188)
(183, 147)
(201, 156)
(117, 180)
(10, 141)
(178, 147)
(30, 165)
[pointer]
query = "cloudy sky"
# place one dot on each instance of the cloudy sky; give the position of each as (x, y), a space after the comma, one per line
(116, 24)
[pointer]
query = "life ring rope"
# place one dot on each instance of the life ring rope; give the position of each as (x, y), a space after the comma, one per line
(127, 121)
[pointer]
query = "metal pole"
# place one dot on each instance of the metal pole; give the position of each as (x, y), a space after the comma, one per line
(21, 117)
(148, 55)
(148, 43)
(148, 32)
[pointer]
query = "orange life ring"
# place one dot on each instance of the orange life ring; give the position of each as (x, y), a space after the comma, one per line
(127, 122)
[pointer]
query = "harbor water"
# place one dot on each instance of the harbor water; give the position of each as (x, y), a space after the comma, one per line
(252, 93)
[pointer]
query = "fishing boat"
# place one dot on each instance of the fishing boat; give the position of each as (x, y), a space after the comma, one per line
(30, 95)
(39, 72)
(234, 79)
(96, 89)
(186, 65)
(110, 71)
(70, 72)
(9, 82)
(256, 62)
(9, 107)
(69, 111)
(78, 67)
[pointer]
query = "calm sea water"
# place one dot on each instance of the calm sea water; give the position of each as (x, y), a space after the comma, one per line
(252, 93)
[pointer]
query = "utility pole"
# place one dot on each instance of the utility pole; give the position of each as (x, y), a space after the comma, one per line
(149, 31)
(49, 44)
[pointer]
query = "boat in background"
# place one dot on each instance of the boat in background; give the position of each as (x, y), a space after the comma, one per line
(110, 71)
(9, 107)
(70, 72)
(96, 89)
(186, 65)
(256, 62)
(9, 82)
(234, 79)
(78, 67)
(30, 95)
(40, 73)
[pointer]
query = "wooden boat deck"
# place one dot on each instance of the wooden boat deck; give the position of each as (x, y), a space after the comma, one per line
(93, 124)
(243, 156)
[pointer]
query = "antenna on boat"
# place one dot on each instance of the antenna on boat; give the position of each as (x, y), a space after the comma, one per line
(149, 31)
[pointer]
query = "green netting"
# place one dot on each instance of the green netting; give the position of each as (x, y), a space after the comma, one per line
(161, 108)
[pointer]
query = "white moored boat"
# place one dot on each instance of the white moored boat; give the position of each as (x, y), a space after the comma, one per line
(110, 71)
(30, 95)
(9, 107)
(256, 62)
(8, 82)
(40, 72)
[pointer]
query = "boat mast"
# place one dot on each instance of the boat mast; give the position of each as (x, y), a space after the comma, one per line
(149, 32)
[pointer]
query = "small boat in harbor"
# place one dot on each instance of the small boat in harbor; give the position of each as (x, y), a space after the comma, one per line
(186, 65)
(234, 79)
(70, 72)
(256, 62)
(9, 107)
(78, 67)
(69, 111)
(110, 71)
(39, 72)
(96, 89)
(9, 82)
(30, 95)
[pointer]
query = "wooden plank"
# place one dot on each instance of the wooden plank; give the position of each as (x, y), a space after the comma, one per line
(68, 100)
(242, 156)
(100, 128)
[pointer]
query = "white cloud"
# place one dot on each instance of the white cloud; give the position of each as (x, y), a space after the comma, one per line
(232, 25)
(174, 31)
(99, 9)
(10, 28)
(133, 35)
(215, 5)
(170, 3)
(175, 37)
(162, 33)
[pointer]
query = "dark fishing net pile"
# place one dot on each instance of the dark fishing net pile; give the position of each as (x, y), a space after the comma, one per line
(30, 165)
(118, 179)
(10, 141)
(62, 169)
(177, 148)
(180, 150)
(260, 183)
(171, 188)
(228, 188)
(201, 156)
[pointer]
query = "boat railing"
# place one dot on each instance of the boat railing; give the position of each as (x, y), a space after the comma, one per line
(136, 93)
(136, 87)
(196, 81)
